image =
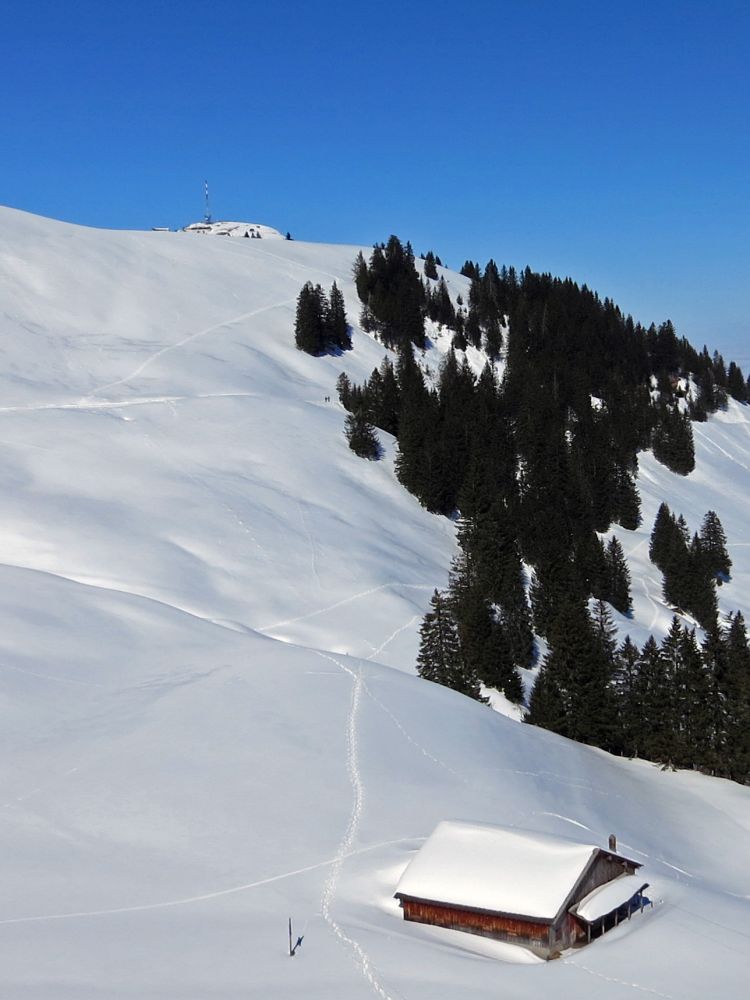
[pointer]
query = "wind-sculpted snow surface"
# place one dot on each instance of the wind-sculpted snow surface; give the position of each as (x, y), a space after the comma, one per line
(199, 586)
(162, 436)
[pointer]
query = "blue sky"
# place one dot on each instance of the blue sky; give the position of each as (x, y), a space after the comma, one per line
(609, 142)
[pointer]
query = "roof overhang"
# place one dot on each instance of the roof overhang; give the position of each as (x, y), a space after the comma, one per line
(606, 899)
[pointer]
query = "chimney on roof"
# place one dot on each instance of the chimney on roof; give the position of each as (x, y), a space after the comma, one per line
(612, 842)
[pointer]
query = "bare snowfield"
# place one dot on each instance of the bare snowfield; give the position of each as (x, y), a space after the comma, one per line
(204, 594)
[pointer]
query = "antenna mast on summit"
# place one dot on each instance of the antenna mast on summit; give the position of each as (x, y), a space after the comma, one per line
(207, 214)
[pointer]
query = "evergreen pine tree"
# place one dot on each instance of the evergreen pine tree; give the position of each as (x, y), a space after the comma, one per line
(443, 311)
(693, 704)
(736, 386)
(627, 502)
(386, 414)
(618, 578)
(606, 729)
(336, 326)
(472, 329)
(487, 534)
(714, 543)
(697, 590)
(662, 535)
(485, 641)
(394, 295)
(361, 278)
(415, 460)
(578, 673)
(591, 560)
(605, 630)
(309, 329)
(541, 605)
(361, 435)
(735, 691)
(673, 441)
(459, 341)
(439, 658)
(670, 651)
(653, 737)
(344, 390)
(716, 754)
(547, 707)
(625, 685)
(368, 320)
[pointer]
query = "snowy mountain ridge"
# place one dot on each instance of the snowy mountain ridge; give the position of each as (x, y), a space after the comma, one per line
(205, 595)
(247, 230)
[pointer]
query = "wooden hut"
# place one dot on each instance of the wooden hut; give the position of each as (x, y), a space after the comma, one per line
(531, 889)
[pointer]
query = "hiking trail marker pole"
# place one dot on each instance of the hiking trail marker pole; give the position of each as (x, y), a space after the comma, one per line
(293, 949)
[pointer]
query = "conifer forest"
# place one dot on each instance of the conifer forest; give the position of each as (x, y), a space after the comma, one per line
(536, 465)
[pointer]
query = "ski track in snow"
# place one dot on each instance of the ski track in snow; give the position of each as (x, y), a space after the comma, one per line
(311, 543)
(674, 868)
(410, 739)
(645, 580)
(345, 847)
(297, 264)
(567, 819)
(635, 548)
(704, 919)
(206, 896)
(611, 979)
(213, 493)
(88, 404)
(51, 677)
(561, 779)
(392, 636)
(339, 604)
(723, 451)
(187, 340)
(118, 404)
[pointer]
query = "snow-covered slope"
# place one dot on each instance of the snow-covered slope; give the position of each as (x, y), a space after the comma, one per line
(189, 552)
(720, 482)
(166, 439)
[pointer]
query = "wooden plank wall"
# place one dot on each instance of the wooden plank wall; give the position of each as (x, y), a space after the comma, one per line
(487, 924)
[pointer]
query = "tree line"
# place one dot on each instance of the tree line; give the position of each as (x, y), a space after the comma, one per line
(536, 465)
(681, 702)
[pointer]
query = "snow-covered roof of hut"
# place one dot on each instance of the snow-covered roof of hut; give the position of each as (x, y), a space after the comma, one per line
(495, 868)
(608, 897)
